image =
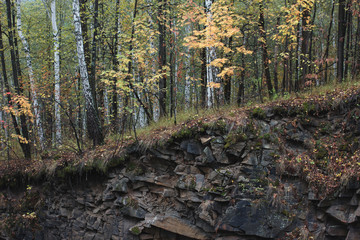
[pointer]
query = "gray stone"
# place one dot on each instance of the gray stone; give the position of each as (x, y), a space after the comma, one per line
(136, 212)
(89, 236)
(354, 201)
(236, 149)
(342, 213)
(337, 230)
(260, 221)
(194, 148)
(178, 226)
(168, 193)
(209, 155)
(121, 186)
(251, 160)
(109, 196)
(199, 180)
(354, 233)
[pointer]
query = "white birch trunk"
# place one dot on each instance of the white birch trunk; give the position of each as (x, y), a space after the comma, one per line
(57, 73)
(92, 120)
(31, 78)
(52, 15)
(210, 56)
(58, 137)
(81, 55)
(156, 106)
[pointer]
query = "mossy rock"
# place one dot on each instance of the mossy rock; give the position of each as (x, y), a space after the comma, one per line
(233, 138)
(280, 111)
(258, 113)
(308, 108)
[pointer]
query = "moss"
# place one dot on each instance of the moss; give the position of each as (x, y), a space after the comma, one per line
(325, 128)
(258, 113)
(219, 125)
(135, 230)
(66, 171)
(184, 133)
(233, 138)
(116, 161)
(308, 108)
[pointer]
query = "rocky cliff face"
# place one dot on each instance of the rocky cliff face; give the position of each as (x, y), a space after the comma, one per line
(212, 181)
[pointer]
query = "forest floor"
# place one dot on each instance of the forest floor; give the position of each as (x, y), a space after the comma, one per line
(110, 154)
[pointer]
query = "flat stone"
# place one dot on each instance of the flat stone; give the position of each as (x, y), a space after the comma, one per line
(357, 211)
(341, 213)
(178, 226)
(168, 193)
(236, 149)
(134, 212)
(354, 201)
(89, 236)
(121, 186)
(251, 160)
(354, 233)
(199, 180)
(206, 140)
(194, 148)
(337, 230)
(250, 220)
(209, 155)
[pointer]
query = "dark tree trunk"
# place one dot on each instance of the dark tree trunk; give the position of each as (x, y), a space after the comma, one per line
(227, 81)
(203, 78)
(356, 59)
(311, 38)
(114, 97)
(162, 56)
(7, 89)
(304, 54)
(241, 91)
(326, 55)
(265, 54)
(341, 40)
(172, 64)
(276, 50)
(15, 69)
(94, 53)
(297, 57)
(348, 39)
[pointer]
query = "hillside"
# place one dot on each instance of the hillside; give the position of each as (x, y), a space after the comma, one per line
(282, 170)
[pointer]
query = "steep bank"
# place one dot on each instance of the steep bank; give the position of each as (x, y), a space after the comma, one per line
(288, 170)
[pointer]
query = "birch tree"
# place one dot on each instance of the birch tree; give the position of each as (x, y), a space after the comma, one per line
(34, 96)
(92, 118)
(52, 15)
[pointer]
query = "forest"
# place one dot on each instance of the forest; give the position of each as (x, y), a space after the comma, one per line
(76, 72)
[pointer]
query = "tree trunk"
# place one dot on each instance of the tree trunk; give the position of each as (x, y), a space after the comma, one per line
(8, 90)
(326, 55)
(187, 91)
(33, 90)
(276, 63)
(162, 56)
(15, 67)
(94, 52)
(356, 59)
(341, 40)
(304, 50)
(92, 118)
(348, 39)
(265, 51)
